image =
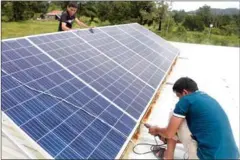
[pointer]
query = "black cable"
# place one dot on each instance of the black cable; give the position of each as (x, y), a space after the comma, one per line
(151, 149)
(152, 146)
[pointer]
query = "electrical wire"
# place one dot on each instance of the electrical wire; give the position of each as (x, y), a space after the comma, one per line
(154, 148)
(151, 149)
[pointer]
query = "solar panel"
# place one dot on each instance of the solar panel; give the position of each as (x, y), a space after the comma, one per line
(80, 94)
(106, 76)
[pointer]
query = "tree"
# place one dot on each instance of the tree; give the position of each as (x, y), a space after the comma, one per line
(88, 9)
(120, 12)
(38, 6)
(168, 24)
(103, 10)
(114, 11)
(140, 10)
(147, 13)
(179, 16)
(205, 14)
(221, 20)
(63, 4)
(193, 22)
(199, 24)
(23, 10)
(161, 13)
(236, 18)
(18, 9)
(53, 5)
(7, 11)
(231, 29)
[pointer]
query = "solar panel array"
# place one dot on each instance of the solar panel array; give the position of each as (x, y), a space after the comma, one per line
(80, 94)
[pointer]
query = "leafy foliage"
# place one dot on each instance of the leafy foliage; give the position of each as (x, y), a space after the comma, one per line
(193, 23)
(154, 14)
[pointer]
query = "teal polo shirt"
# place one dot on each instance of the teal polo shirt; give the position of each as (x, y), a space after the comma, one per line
(209, 126)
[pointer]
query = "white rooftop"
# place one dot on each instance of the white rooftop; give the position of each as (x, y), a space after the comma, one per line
(216, 70)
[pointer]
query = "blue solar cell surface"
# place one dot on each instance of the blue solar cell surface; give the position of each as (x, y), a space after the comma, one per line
(152, 40)
(129, 53)
(90, 111)
(58, 126)
(109, 78)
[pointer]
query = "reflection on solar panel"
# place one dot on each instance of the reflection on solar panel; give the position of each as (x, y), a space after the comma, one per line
(80, 94)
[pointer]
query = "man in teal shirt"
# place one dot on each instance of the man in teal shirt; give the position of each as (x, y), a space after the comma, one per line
(206, 120)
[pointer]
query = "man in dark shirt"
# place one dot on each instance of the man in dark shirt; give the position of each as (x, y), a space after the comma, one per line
(68, 17)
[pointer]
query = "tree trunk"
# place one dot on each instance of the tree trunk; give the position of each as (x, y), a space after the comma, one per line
(141, 20)
(160, 24)
(92, 18)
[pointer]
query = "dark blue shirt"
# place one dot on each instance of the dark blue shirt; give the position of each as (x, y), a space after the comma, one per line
(209, 126)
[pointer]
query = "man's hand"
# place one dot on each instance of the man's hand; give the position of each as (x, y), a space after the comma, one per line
(64, 26)
(153, 130)
(91, 29)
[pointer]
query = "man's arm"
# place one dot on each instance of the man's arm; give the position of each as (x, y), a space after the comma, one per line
(64, 26)
(171, 129)
(80, 23)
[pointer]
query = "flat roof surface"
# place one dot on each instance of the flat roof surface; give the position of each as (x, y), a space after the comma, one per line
(216, 70)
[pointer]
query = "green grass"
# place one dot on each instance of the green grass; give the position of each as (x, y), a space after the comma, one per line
(25, 28)
(31, 27)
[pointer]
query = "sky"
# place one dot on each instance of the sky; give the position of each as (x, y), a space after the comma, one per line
(190, 6)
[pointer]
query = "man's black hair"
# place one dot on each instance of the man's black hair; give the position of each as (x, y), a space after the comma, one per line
(72, 4)
(185, 83)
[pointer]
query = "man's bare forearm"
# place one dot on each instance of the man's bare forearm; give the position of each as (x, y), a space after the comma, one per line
(172, 127)
(162, 132)
(65, 28)
(81, 23)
